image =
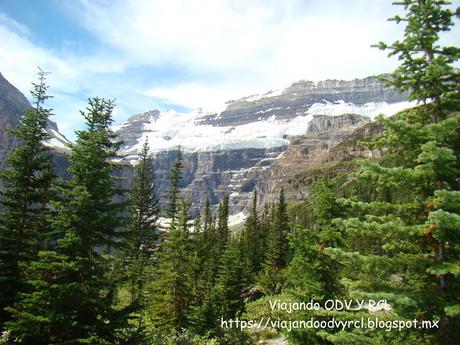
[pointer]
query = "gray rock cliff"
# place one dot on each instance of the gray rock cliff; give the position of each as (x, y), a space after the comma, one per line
(12, 106)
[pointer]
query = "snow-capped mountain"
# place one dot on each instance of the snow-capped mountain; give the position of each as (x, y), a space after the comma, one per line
(167, 130)
(231, 151)
(242, 148)
(258, 121)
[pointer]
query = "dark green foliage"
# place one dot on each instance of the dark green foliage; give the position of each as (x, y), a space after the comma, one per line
(205, 260)
(210, 247)
(403, 242)
(222, 225)
(142, 234)
(276, 256)
(252, 237)
(24, 199)
(172, 288)
(173, 193)
(390, 230)
(72, 297)
(135, 259)
(91, 173)
(313, 274)
(426, 70)
(232, 280)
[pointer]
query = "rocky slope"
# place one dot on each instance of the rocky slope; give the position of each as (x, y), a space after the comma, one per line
(305, 96)
(12, 106)
(330, 147)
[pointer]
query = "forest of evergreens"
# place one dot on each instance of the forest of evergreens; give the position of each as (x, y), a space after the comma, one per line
(84, 262)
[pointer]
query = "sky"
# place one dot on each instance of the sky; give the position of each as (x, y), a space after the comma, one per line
(187, 54)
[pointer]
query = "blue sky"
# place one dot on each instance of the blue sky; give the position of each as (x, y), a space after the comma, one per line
(185, 54)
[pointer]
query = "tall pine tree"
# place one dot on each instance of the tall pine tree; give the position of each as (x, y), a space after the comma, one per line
(135, 260)
(171, 290)
(222, 224)
(175, 177)
(276, 256)
(142, 234)
(411, 226)
(72, 297)
(252, 237)
(233, 280)
(24, 199)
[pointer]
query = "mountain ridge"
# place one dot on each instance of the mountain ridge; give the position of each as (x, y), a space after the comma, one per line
(251, 145)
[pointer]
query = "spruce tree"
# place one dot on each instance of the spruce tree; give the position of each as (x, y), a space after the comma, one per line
(197, 259)
(233, 279)
(135, 260)
(207, 221)
(222, 225)
(210, 246)
(203, 316)
(412, 256)
(142, 234)
(24, 197)
(72, 297)
(313, 274)
(276, 256)
(426, 70)
(171, 290)
(173, 192)
(251, 237)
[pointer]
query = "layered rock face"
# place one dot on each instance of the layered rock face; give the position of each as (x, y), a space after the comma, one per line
(300, 96)
(313, 150)
(209, 175)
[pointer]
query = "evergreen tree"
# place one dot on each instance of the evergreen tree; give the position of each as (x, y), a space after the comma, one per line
(277, 249)
(72, 297)
(233, 279)
(207, 254)
(313, 274)
(251, 237)
(210, 246)
(427, 70)
(135, 259)
(412, 256)
(222, 225)
(171, 296)
(24, 199)
(173, 193)
(142, 229)
(207, 222)
(198, 259)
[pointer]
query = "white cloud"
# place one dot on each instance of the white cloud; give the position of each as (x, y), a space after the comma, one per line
(224, 48)
(195, 95)
(19, 61)
(238, 47)
(243, 47)
(270, 40)
(72, 79)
